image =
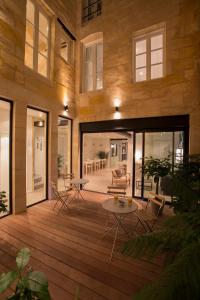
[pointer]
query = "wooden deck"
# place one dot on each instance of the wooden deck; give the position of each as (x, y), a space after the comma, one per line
(70, 250)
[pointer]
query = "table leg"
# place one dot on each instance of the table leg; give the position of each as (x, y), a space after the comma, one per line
(113, 247)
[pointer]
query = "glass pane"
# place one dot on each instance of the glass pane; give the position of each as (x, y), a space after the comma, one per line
(156, 71)
(141, 74)
(157, 42)
(99, 83)
(42, 65)
(140, 60)
(43, 45)
(158, 145)
(140, 47)
(36, 145)
(64, 50)
(43, 24)
(5, 151)
(89, 69)
(29, 56)
(107, 160)
(156, 56)
(29, 33)
(64, 152)
(178, 146)
(30, 11)
(138, 165)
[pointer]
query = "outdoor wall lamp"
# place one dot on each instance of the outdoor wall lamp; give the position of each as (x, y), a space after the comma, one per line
(116, 108)
(66, 108)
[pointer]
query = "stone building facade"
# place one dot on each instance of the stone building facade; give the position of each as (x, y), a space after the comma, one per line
(177, 93)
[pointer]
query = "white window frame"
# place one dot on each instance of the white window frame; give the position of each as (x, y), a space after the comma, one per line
(39, 9)
(94, 59)
(140, 36)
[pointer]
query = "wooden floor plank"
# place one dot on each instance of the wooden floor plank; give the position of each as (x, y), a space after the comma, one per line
(70, 250)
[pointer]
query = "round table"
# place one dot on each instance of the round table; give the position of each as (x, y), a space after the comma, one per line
(77, 183)
(119, 212)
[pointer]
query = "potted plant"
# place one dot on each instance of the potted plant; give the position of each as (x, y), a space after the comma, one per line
(102, 154)
(3, 200)
(32, 285)
(178, 240)
(156, 168)
(60, 164)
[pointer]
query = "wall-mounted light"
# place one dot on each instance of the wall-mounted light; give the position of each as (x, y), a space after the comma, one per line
(66, 108)
(117, 114)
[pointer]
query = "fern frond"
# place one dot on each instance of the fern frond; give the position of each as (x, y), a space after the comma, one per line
(180, 279)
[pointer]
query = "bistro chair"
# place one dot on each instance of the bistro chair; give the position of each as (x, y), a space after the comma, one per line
(147, 216)
(62, 197)
(67, 184)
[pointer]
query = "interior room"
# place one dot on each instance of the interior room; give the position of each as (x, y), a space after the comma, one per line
(5, 150)
(36, 156)
(104, 153)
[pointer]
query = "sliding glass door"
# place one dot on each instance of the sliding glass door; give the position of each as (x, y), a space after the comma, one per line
(64, 149)
(158, 145)
(5, 154)
(36, 156)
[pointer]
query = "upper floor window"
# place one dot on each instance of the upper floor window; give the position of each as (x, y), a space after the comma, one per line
(91, 9)
(66, 47)
(37, 44)
(93, 66)
(149, 56)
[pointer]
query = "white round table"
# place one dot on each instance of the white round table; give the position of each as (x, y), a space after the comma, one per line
(119, 212)
(77, 183)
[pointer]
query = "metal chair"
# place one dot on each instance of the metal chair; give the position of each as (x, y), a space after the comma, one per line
(62, 197)
(67, 184)
(146, 217)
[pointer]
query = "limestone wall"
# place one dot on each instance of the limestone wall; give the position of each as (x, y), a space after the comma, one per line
(176, 93)
(27, 88)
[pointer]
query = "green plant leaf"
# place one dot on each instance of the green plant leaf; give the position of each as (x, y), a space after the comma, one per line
(7, 279)
(22, 258)
(36, 281)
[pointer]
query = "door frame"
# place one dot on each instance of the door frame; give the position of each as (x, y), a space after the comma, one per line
(10, 155)
(71, 139)
(149, 124)
(47, 151)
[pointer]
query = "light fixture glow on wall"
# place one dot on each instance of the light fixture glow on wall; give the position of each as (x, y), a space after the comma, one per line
(66, 108)
(117, 113)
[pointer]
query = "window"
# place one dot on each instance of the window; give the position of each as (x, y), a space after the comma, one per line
(66, 47)
(91, 9)
(37, 50)
(149, 56)
(93, 66)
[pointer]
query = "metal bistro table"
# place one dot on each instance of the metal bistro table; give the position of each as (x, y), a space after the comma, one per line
(120, 213)
(77, 183)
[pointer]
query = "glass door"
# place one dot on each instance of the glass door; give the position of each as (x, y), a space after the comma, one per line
(158, 145)
(5, 155)
(64, 149)
(36, 156)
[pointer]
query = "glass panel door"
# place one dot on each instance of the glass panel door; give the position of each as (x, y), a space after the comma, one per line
(64, 149)
(36, 156)
(5, 140)
(108, 160)
(159, 145)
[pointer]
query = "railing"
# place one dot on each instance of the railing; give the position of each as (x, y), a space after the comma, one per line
(92, 10)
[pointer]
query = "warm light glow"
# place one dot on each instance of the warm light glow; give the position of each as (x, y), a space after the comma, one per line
(117, 102)
(138, 155)
(65, 100)
(117, 115)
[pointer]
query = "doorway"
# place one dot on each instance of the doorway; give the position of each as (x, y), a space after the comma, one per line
(5, 151)
(36, 156)
(124, 144)
(64, 159)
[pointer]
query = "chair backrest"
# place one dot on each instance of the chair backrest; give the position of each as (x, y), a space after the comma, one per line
(157, 200)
